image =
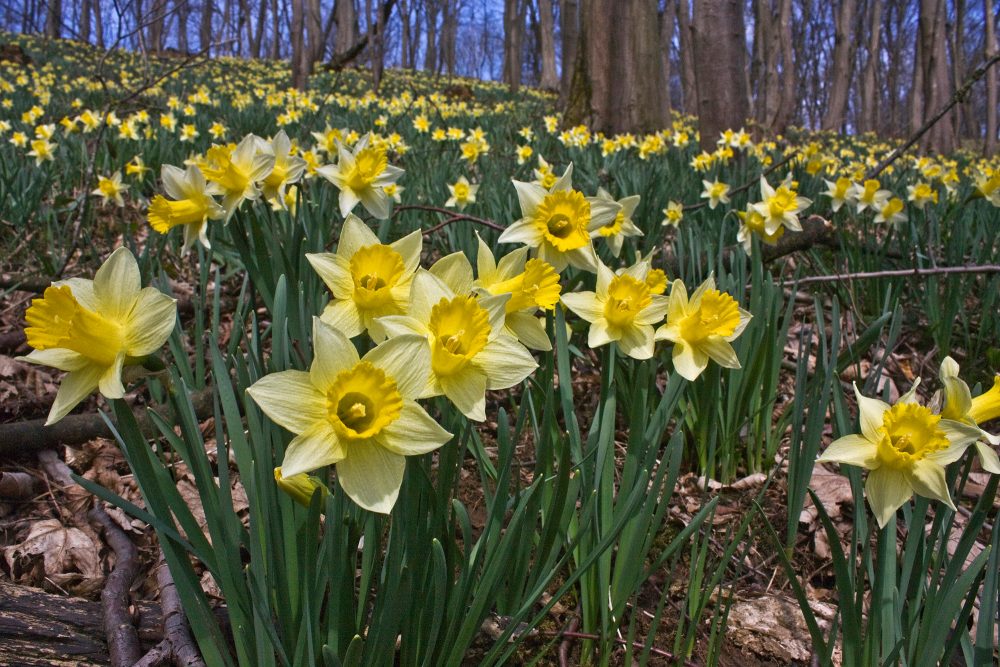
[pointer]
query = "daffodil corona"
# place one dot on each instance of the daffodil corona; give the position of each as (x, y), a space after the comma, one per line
(361, 175)
(92, 328)
(191, 205)
(358, 413)
(905, 447)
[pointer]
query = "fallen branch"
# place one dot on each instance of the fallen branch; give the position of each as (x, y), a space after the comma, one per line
(123, 638)
(895, 273)
(16, 485)
(177, 643)
(746, 186)
(453, 217)
(33, 435)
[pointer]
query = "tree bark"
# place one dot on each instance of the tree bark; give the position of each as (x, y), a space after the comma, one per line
(297, 30)
(53, 19)
(718, 37)
(936, 83)
(158, 12)
(182, 25)
(841, 70)
(98, 25)
(85, 21)
(869, 91)
(513, 29)
(431, 10)
(689, 83)
(990, 143)
(547, 45)
(449, 36)
(205, 28)
(569, 24)
(666, 39)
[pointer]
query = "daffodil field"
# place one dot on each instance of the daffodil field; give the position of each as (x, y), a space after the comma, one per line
(495, 389)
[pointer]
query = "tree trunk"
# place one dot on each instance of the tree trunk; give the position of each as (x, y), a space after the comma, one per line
(569, 24)
(788, 103)
(719, 36)
(611, 89)
(936, 84)
(430, 53)
(85, 21)
(158, 12)
(205, 28)
(376, 42)
(449, 36)
(53, 19)
(666, 39)
(98, 25)
(840, 72)
(547, 44)
(990, 145)
(404, 50)
(297, 30)
(869, 91)
(513, 28)
(689, 83)
(314, 33)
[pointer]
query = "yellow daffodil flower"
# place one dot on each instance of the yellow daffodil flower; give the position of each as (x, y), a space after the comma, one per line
(702, 328)
(361, 175)
(301, 487)
(960, 406)
(905, 447)
(891, 211)
(839, 192)
(673, 214)
(110, 188)
(781, 207)
(623, 309)
(715, 192)
(358, 413)
(288, 168)
(462, 193)
(921, 194)
(368, 279)
(469, 351)
(191, 204)
(92, 328)
(557, 223)
(236, 172)
(869, 195)
(621, 225)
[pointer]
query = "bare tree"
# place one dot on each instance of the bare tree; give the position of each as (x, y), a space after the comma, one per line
(569, 27)
(689, 83)
(719, 56)
(513, 31)
(547, 44)
(53, 19)
(933, 64)
(869, 91)
(990, 50)
(841, 71)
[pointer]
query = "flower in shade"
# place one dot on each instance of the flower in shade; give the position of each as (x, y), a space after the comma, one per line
(621, 225)
(368, 279)
(237, 171)
(702, 328)
(905, 448)
(358, 413)
(960, 406)
(191, 205)
(93, 328)
(623, 309)
(361, 175)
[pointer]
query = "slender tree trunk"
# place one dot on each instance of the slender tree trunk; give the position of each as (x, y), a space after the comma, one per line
(840, 73)
(547, 44)
(347, 26)
(85, 21)
(98, 25)
(718, 38)
(787, 106)
(275, 31)
(53, 19)
(449, 35)
(431, 17)
(404, 50)
(158, 11)
(205, 27)
(258, 34)
(182, 25)
(569, 23)
(869, 91)
(689, 83)
(314, 34)
(376, 41)
(297, 30)
(666, 39)
(513, 29)
(936, 84)
(990, 145)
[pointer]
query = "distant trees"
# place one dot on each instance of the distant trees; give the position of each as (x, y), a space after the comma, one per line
(854, 65)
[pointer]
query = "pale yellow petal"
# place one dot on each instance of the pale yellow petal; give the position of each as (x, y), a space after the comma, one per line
(855, 450)
(871, 412)
(928, 480)
(354, 235)
(64, 360)
(505, 362)
(689, 361)
(887, 490)
(585, 305)
(530, 330)
(75, 387)
(333, 352)
(409, 248)
(334, 273)
(314, 448)
(150, 323)
(371, 475)
(720, 351)
(413, 433)
(117, 284)
(637, 341)
(290, 400)
(343, 316)
(110, 384)
(455, 271)
(407, 360)
(467, 390)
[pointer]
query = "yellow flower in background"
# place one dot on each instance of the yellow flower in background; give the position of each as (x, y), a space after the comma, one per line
(673, 214)
(752, 224)
(702, 328)
(136, 167)
(715, 192)
(188, 132)
(621, 225)
(524, 153)
(921, 194)
(960, 406)
(42, 150)
(19, 139)
(358, 413)
(288, 168)
(557, 223)
(462, 192)
(110, 188)
(891, 211)
(533, 285)
(905, 447)
(367, 278)
(191, 204)
(469, 351)
(623, 309)
(237, 171)
(92, 328)
(780, 207)
(217, 130)
(839, 192)
(869, 195)
(361, 175)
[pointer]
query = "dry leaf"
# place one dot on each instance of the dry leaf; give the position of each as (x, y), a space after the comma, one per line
(773, 627)
(67, 555)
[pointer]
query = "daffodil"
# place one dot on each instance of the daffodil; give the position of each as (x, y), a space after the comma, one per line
(469, 350)
(621, 225)
(715, 192)
(891, 211)
(869, 195)
(191, 205)
(673, 214)
(92, 328)
(361, 175)
(557, 223)
(368, 279)
(921, 194)
(960, 406)
(839, 192)
(110, 188)
(533, 285)
(288, 168)
(462, 193)
(236, 172)
(780, 207)
(702, 328)
(905, 447)
(358, 413)
(623, 309)
(752, 224)
(42, 150)
(301, 487)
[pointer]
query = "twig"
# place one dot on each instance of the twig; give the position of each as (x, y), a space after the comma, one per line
(177, 642)
(32, 435)
(895, 273)
(959, 95)
(123, 639)
(453, 217)
(16, 485)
